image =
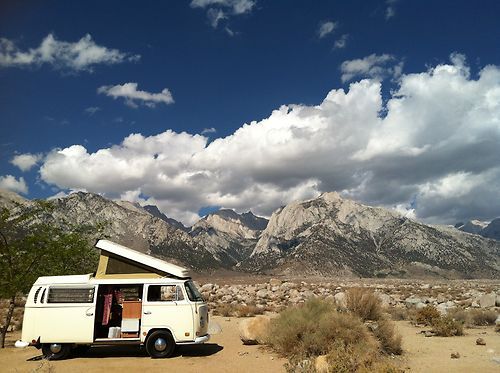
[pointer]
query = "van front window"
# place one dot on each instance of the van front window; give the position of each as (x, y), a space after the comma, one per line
(192, 292)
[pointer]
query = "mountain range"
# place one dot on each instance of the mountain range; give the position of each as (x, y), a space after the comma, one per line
(487, 230)
(328, 235)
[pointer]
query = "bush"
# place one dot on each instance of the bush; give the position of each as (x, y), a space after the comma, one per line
(482, 317)
(427, 315)
(363, 303)
(312, 330)
(398, 313)
(390, 341)
(446, 326)
(238, 310)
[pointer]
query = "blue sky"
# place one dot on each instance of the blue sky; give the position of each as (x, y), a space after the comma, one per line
(115, 68)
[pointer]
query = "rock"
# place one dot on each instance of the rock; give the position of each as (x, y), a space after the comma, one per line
(420, 305)
(497, 321)
(340, 299)
(274, 282)
(263, 293)
(444, 307)
(480, 342)
(254, 330)
(207, 288)
(497, 301)
(488, 300)
(242, 353)
(412, 301)
(455, 355)
(321, 365)
(384, 298)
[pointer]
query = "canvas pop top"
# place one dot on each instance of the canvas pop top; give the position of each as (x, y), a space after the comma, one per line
(133, 298)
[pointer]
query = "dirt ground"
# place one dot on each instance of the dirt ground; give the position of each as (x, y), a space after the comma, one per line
(225, 353)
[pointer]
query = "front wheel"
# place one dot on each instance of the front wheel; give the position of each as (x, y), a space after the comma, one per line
(160, 344)
(56, 351)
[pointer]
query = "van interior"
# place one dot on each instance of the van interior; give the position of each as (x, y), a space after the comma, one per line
(118, 311)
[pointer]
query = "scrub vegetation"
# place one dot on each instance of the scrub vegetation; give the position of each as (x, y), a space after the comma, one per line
(353, 339)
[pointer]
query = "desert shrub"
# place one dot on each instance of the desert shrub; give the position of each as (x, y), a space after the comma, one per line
(390, 340)
(427, 315)
(314, 329)
(363, 303)
(238, 310)
(446, 326)
(398, 313)
(248, 310)
(482, 317)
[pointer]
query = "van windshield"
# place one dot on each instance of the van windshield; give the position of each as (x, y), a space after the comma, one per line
(193, 293)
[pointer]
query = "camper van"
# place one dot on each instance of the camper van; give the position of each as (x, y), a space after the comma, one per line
(133, 298)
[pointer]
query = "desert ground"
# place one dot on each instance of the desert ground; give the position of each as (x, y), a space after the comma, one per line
(226, 353)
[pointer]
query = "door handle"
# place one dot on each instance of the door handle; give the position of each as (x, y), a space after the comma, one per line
(89, 313)
(147, 312)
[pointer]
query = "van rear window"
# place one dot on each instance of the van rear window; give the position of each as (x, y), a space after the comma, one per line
(71, 295)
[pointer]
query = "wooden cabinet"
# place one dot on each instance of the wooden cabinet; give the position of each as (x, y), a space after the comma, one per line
(132, 309)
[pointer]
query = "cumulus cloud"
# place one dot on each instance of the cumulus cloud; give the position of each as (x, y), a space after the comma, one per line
(325, 28)
(25, 161)
(433, 154)
(81, 55)
(9, 182)
(218, 10)
(373, 66)
(341, 42)
(134, 97)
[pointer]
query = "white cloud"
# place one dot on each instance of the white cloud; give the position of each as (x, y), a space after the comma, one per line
(341, 42)
(25, 161)
(326, 28)
(219, 10)
(372, 66)
(9, 182)
(437, 145)
(92, 110)
(208, 130)
(390, 10)
(82, 55)
(133, 97)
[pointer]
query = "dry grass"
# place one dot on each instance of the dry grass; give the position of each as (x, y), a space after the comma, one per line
(363, 303)
(446, 326)
(398, 313)
(317, 328)
(390, 341)
(475, 317)
(426, 315)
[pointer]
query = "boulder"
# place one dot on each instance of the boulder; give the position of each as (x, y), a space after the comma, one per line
(254, 330)
(340, 299)
(207, 288)
(274, 282)
(263, 293)
(487, 300)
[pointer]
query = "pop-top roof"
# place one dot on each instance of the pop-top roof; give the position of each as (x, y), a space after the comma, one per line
(70, 279)
(143, 259)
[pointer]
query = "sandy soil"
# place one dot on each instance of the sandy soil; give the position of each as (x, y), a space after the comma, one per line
(433, 354)
(225, 353)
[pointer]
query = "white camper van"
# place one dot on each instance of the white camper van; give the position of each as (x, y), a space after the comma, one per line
(132, 299)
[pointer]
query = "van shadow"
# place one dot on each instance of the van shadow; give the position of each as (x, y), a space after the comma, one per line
(101, 352)
(205, 349)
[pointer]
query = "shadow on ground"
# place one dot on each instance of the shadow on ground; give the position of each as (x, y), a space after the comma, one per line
(206, 349)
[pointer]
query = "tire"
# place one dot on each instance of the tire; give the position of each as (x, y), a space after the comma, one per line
(56, 351)
(160, 344)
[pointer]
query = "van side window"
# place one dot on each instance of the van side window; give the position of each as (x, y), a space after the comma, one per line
(71, 295)
(164, 293)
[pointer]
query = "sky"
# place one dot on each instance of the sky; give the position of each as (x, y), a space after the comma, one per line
(249, 104)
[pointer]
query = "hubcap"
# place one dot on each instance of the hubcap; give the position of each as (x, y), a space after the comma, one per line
(160, 344)
(55, 348)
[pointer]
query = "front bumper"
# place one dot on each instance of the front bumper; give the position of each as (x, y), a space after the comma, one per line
(197, 341)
